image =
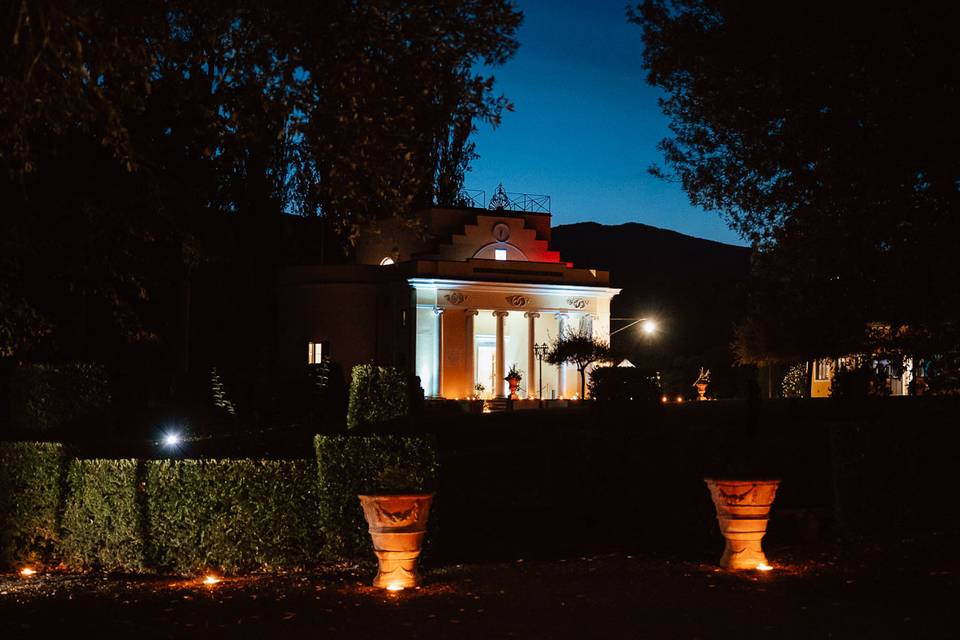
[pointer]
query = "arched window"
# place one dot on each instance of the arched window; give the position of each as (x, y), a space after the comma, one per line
(386, 261)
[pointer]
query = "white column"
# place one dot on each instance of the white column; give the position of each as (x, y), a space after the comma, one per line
(499, 372)
(531, 355)
(561, 368)
(470, 348)
(438, 364)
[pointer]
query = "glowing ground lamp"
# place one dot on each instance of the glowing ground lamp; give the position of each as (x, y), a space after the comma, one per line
(211, 579)
(397, 525)
(743, 509)
(26, 572)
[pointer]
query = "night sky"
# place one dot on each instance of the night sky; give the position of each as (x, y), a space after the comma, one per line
(586, 125)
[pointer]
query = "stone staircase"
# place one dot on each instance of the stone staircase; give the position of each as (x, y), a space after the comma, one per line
(495, 405)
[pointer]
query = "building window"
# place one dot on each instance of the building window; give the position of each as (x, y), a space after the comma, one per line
(500, 254)
(386, 261)
(317, 351)
(824, 369)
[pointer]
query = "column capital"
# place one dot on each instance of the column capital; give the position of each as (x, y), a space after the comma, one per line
(438, 311)
(562, 315)
(531, 314)
(501, 314)
(471, 312)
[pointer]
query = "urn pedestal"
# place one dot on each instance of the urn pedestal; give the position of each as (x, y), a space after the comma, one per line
(397, 525)
(514, 383)
(743, 508)
(701, 391)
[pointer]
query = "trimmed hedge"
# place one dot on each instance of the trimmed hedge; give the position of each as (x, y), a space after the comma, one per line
(44, 397)
(102, 520)
(30, 492)
(232, 515)
(624, 384)
(377, 394)
(350, 465)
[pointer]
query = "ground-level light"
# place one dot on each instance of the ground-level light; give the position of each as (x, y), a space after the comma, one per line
(394, 586)
(679, 398)
(763, 566)
(27, 571)
(210, 579)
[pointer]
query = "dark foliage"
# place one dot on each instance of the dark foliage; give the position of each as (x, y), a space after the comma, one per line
(377, 394)
(231, 515)
(579, 348)
(48, 397)
(102, 527)
(30, 493)
(823, 133)
(624, 384)
(351, 465)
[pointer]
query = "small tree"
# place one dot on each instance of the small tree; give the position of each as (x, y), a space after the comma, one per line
(579, 348)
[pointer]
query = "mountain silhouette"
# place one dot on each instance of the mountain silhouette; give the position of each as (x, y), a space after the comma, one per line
(691, 286)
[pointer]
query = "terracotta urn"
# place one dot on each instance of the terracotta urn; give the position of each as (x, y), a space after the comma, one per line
(701, 391)
(397, 524)
(743, 508)
(513, 382)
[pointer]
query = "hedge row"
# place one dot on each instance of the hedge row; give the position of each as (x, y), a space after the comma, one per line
(30, 498)
(186, 516)
(348, 466)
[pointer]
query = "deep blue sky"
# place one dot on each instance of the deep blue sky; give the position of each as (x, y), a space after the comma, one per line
(586, 125)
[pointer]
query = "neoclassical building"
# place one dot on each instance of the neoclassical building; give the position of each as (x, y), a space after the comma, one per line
(457, 302)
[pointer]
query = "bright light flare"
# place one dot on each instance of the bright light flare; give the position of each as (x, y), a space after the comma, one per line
(649, 327)
(171, 439)
(27, 572)
(394, 586)
(764, 567)
(664, 399)
(679, 398)
(211, 579)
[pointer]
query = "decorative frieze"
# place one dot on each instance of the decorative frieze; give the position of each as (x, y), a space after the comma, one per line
(455, 297)
(518, 301)
(577, 303)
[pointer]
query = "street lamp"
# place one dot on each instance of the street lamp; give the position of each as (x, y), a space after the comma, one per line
(649, 326)
(540, 350)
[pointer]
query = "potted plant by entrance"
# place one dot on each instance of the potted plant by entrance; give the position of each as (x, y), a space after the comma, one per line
(513, 378)
(743, 492)
(701, 383)
(396, 518)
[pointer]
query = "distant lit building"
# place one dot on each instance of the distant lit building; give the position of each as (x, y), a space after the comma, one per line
(456, 303)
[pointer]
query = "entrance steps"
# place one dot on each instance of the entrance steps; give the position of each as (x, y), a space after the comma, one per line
(494, 405)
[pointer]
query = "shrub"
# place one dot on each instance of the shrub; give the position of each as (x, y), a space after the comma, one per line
(30, 492)
(795, 381)
(350, 465)
(231, 515)
(102, 521)
(377, 394)
(624, 384)
(44, 397)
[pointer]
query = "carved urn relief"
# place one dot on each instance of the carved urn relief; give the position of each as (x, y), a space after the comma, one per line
(743, 508)
(397, 525)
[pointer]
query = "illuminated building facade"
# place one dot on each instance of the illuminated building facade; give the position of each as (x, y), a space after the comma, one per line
(456, 302)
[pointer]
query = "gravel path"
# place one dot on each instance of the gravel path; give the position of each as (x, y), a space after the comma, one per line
(884, 592)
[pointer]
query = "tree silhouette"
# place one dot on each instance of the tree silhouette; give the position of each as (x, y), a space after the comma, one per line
(824, 134)
(579, 348)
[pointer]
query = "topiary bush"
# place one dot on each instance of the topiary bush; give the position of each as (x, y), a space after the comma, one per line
(624, 384)
(350, 465)
(102, 525)
(377, 394)
(44, 397)
(231, 515)
(30, 494)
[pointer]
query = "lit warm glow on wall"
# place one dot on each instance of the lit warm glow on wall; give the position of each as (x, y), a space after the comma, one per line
(500, 254)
